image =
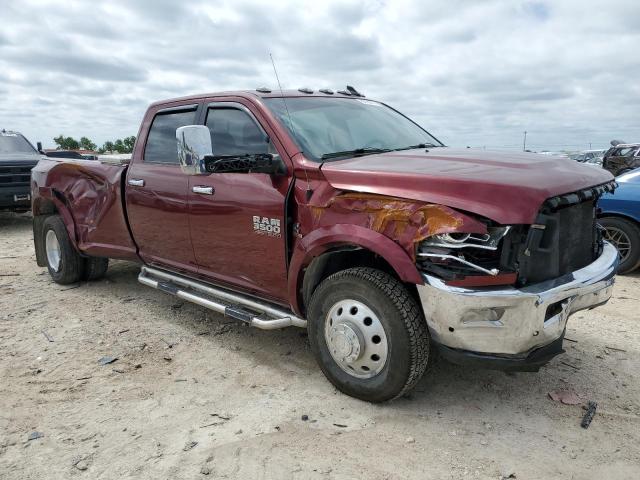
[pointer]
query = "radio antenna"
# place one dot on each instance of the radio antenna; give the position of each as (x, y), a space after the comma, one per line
(284, 102)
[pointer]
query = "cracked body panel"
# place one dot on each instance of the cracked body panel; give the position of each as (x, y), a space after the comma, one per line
(404, 221)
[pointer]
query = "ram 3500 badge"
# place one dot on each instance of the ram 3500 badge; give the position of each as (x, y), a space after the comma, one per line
(342, 216)
(266, 226)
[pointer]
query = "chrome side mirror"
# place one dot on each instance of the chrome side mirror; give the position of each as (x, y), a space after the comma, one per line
(194, 144)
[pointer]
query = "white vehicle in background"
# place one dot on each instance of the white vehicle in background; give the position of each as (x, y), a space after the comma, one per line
(593, 157)
(554, 154)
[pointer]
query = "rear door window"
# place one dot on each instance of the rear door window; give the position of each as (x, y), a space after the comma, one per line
(161, 142)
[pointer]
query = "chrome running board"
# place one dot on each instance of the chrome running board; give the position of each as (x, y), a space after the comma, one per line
(251, 312)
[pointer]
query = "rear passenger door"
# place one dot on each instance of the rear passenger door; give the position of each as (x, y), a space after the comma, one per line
(157, 195)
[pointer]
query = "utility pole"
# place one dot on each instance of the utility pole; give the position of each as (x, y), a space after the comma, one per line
(524, 143)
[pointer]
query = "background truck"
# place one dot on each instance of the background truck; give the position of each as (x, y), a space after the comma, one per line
(17, 158)
(337, 213)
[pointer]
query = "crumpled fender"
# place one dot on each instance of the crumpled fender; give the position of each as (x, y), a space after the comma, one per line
(47, 193)
(43, 197)
(390, 227)
(88, 197)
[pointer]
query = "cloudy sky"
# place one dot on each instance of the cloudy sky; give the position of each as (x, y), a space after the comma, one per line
(472, 72)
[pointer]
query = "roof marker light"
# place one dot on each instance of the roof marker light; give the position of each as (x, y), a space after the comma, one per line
(354, 92)
(328, 91)
(263, 90)
(305, 90)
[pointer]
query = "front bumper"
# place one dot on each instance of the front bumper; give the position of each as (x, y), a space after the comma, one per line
(492, 326)
(15, 197)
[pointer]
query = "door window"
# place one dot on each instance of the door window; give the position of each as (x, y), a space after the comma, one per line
(161, 143)
(234, 132)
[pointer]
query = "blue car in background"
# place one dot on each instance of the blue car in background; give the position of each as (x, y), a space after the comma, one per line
(620, 216)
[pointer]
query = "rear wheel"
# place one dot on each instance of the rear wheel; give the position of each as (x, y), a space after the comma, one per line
(625, 236)
(63, 261)
(95, 268)
(368, 334)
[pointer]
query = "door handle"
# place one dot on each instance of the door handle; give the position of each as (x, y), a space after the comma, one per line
(136, 182)
(203, 190)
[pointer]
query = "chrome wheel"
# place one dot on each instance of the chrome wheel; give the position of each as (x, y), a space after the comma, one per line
(356, 339)
(53, 250)
(620, 240)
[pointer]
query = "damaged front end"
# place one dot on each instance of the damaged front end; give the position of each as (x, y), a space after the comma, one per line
(502, 300)
(565, 237)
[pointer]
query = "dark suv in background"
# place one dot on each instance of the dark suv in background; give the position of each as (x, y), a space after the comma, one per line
(17, 158)
(622, 158)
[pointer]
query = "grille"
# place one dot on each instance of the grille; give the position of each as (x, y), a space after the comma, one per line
(560, 242)
(564, 238)
(15, 174)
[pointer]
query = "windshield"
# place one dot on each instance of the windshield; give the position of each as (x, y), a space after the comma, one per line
(624, 152)
(324, 126)
(14, 143)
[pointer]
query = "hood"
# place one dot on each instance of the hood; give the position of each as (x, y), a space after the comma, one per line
(508, 188)
(13, 158)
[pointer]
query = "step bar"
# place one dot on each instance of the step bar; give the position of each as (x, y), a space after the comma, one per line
(260, 315)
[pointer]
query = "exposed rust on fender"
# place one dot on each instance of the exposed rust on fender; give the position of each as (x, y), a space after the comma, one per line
(404, 221)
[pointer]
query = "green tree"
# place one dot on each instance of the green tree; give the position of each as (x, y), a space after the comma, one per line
(66, 143)
(107, 146)
(87, 144)
(129, 142)
(119, 146)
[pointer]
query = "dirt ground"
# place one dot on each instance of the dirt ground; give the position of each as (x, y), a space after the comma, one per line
(193, 395)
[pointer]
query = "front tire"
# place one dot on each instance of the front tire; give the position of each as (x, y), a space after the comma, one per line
(625, 236)
(64, 263)
(368, 334)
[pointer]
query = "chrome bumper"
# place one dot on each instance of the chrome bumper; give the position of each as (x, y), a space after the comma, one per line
(512, 321)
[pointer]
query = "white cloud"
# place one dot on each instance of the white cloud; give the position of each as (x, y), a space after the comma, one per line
(472, 73)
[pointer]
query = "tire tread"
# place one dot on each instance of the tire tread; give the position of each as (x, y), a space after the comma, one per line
(406, 305)
(95, 268)
(72, 263)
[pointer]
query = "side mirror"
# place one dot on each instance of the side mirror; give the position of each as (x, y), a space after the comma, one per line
(248, 163)
(194, 144)
(39, 146)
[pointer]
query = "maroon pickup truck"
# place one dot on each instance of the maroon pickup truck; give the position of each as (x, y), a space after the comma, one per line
(332, 212)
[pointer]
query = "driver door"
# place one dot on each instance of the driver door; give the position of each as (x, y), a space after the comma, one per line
(237, 220)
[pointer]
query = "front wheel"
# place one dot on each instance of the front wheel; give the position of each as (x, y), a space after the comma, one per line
(368, 334)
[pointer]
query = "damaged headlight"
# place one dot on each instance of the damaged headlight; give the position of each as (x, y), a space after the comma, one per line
(461, 258)
(487, 241)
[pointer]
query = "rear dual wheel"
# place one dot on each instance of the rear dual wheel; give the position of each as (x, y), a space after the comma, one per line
(368, 334)
(64, 263)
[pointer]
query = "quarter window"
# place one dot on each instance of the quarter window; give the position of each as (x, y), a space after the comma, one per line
(161, 142)
(234, 132)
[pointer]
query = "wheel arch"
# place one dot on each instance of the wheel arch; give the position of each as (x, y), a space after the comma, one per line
(47, 203)
(328, 250)
(622, 215)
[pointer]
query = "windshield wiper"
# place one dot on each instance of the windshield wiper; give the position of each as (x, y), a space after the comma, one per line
(419, 145)
(353, 153)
